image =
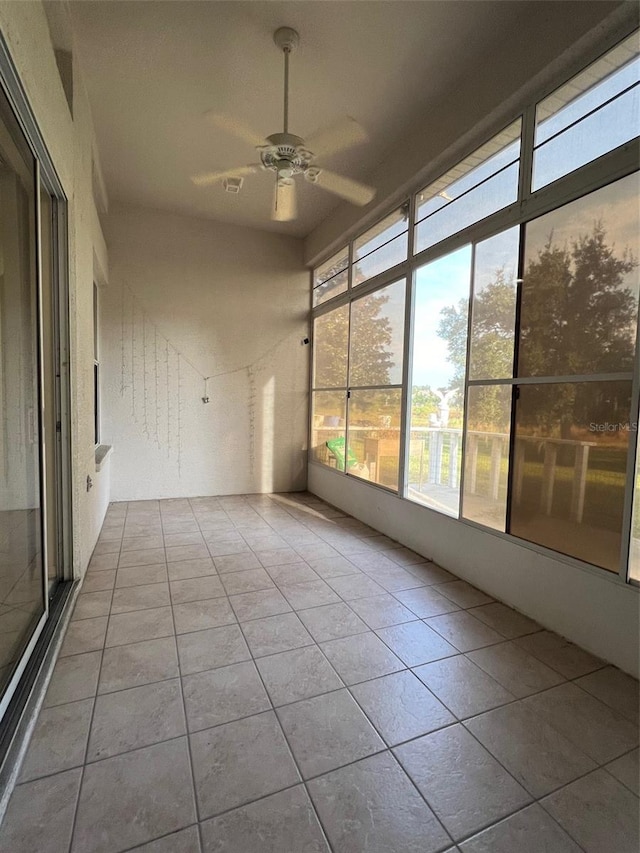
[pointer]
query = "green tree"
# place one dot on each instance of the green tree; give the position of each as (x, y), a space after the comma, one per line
(577, 317)
(577, 314)
(330, 345)
(423, 404)
(371, 337)
(453, 329)
(491, 355)
(491, 351)
(334, 280)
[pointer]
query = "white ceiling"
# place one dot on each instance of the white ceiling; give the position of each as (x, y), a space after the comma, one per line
(154, 68)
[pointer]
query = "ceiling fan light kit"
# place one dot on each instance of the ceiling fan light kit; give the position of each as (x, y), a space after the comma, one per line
(287, 155)
(233, 185)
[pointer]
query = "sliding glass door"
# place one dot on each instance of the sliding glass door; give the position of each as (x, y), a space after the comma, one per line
(22, 589)
(34, 433)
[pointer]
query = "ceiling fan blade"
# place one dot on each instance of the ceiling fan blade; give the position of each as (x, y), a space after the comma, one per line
(346, 188)
(284, 201)
(236, 127)
(342, 134)
(207, 178)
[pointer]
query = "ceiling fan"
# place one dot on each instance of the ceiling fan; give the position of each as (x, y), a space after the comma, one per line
(287, 155)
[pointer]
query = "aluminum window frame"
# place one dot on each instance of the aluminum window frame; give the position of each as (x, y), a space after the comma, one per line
(598, 173)
(344, 299)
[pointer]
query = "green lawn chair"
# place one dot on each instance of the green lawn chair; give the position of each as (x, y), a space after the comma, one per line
(337, 446)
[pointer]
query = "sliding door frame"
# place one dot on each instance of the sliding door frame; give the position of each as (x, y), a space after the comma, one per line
(57, 456)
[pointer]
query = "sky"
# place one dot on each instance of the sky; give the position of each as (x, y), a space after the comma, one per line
(439, 284)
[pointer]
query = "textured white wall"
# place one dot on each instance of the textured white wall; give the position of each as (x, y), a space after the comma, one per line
(189, 298)
(70, 144)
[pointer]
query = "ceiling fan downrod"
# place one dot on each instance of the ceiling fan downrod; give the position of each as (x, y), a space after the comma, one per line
(287, 40)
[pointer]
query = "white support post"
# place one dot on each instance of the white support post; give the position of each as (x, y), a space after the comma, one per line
(471, 470)
(548, 477)
(496, 463)
(579, 484)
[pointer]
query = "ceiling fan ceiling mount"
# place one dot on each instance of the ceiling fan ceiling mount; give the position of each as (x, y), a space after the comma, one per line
(287, 39)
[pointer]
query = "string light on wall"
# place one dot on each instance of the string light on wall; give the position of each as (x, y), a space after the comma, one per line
(251, 379)
(134, 361)
(166, 351)
(132, 347)
(169, 381)
(179, 414)
(145, 390)
(122, 357)
(156, 365)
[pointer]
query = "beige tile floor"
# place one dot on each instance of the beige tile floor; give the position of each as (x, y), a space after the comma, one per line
(264, 674)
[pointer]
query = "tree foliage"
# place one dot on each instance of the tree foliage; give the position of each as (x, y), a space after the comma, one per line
(371, 336)
(424, 403)
(334, 281)
(577, 317)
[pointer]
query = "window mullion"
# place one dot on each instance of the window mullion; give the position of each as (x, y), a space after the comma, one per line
(526, 152)
(466, 378)
(347, 394)
(405, 400)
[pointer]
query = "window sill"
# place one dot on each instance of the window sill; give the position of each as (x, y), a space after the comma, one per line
(103, 451)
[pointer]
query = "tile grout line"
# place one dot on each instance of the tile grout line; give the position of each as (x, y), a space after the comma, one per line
(460, 722)
(162, 837)
(535, 799)
(605, 767)
(200, 821)
(303, 781)
(194, 792)
(387, 749)
(531, 695)
(93, 710)
(390, 748)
